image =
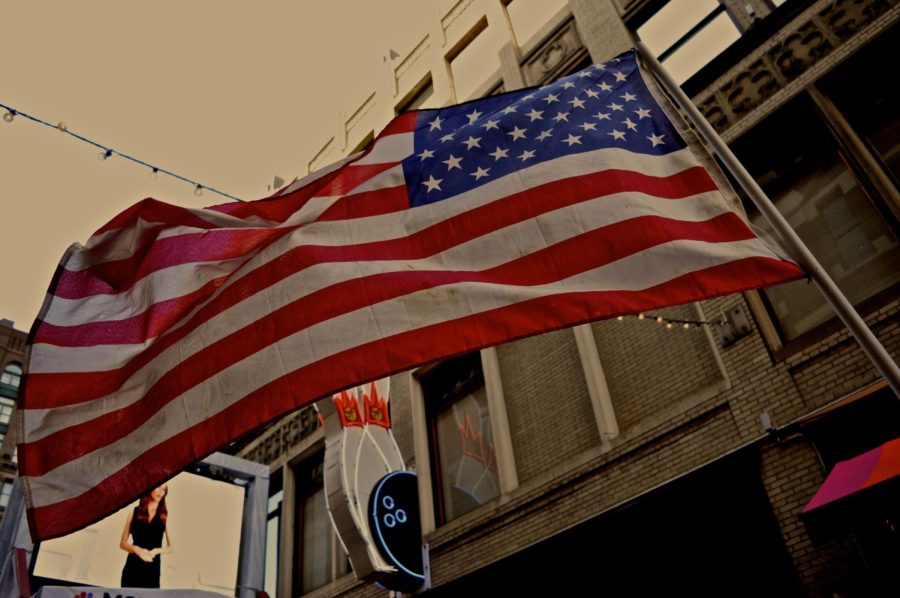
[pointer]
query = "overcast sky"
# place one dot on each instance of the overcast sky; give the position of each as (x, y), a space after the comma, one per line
(223, 92)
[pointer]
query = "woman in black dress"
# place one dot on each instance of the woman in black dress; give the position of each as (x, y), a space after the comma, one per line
(146, 525)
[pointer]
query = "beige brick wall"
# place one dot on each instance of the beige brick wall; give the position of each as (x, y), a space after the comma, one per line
(649, 367)
(401, 416)
(547, 401)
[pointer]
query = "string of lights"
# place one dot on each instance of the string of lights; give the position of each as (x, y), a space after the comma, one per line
(671, 323)
(107, 152)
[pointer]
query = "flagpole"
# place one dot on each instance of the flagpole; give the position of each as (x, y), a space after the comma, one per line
(839, 303)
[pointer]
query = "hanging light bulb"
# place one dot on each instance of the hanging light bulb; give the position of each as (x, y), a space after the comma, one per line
(669, 325)
(620, 318)
(686, 326)
(198, 190)
(62, 127)
(104, 155)
(9, 116)
(154, 174)
(659, 319)
(641, 316)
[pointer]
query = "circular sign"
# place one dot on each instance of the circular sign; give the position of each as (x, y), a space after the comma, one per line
(394, 521)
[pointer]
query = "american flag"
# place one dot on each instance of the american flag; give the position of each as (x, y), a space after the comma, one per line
(174, 331)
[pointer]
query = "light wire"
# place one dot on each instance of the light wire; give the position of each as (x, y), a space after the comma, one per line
(108, 151)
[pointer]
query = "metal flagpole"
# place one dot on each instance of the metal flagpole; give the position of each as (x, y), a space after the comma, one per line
(845, 311)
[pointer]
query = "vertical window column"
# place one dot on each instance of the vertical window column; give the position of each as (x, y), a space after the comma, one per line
(601, 401)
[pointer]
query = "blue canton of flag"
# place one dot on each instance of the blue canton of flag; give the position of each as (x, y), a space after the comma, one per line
(467, 145)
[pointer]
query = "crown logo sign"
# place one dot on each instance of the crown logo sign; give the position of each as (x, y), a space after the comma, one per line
(348, 409)
(377, 411)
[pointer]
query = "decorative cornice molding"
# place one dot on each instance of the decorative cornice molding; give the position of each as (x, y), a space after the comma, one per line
(824, 28)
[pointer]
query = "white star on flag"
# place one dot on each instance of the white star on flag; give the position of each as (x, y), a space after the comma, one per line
(479, 172)
(472, 142)
(517, 133)
(433, 183)
(452, 162)
(499, 153)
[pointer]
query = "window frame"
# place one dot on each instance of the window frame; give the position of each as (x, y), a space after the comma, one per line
(434, 406)
(309, 470)
(10, 390)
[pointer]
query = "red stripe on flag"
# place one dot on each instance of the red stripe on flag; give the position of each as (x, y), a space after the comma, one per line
(135, 329)
(404, 123)
(110, 278)
(154, 210)
(368, 203)
(387, 356)
(352, 176)
(561, 260)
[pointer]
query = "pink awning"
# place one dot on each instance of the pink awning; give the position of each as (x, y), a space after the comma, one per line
(866, 470)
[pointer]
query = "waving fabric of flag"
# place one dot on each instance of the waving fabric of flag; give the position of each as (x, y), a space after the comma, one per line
(174, 331)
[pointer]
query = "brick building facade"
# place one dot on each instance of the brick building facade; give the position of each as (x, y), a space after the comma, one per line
(681, 457)
(12, 357)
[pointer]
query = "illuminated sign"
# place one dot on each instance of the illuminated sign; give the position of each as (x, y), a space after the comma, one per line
(394, 521)
(361, 456)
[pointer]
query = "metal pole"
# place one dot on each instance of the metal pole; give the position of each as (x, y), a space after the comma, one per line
(839, 303)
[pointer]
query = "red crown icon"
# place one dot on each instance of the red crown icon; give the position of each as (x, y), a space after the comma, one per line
(377, 411)
(348, 409)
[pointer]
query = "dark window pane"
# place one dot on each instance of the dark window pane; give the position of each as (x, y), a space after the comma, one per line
(870, 99)
(794, 158)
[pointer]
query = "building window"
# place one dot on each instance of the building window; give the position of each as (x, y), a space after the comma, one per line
(7, 406)
(319, 555)
(686, 34)
(527, 17)
(11, 377)
(830, 204)
(464, 460)
(273, 534)
(475, 59)
(420, 98)
(5, 493)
